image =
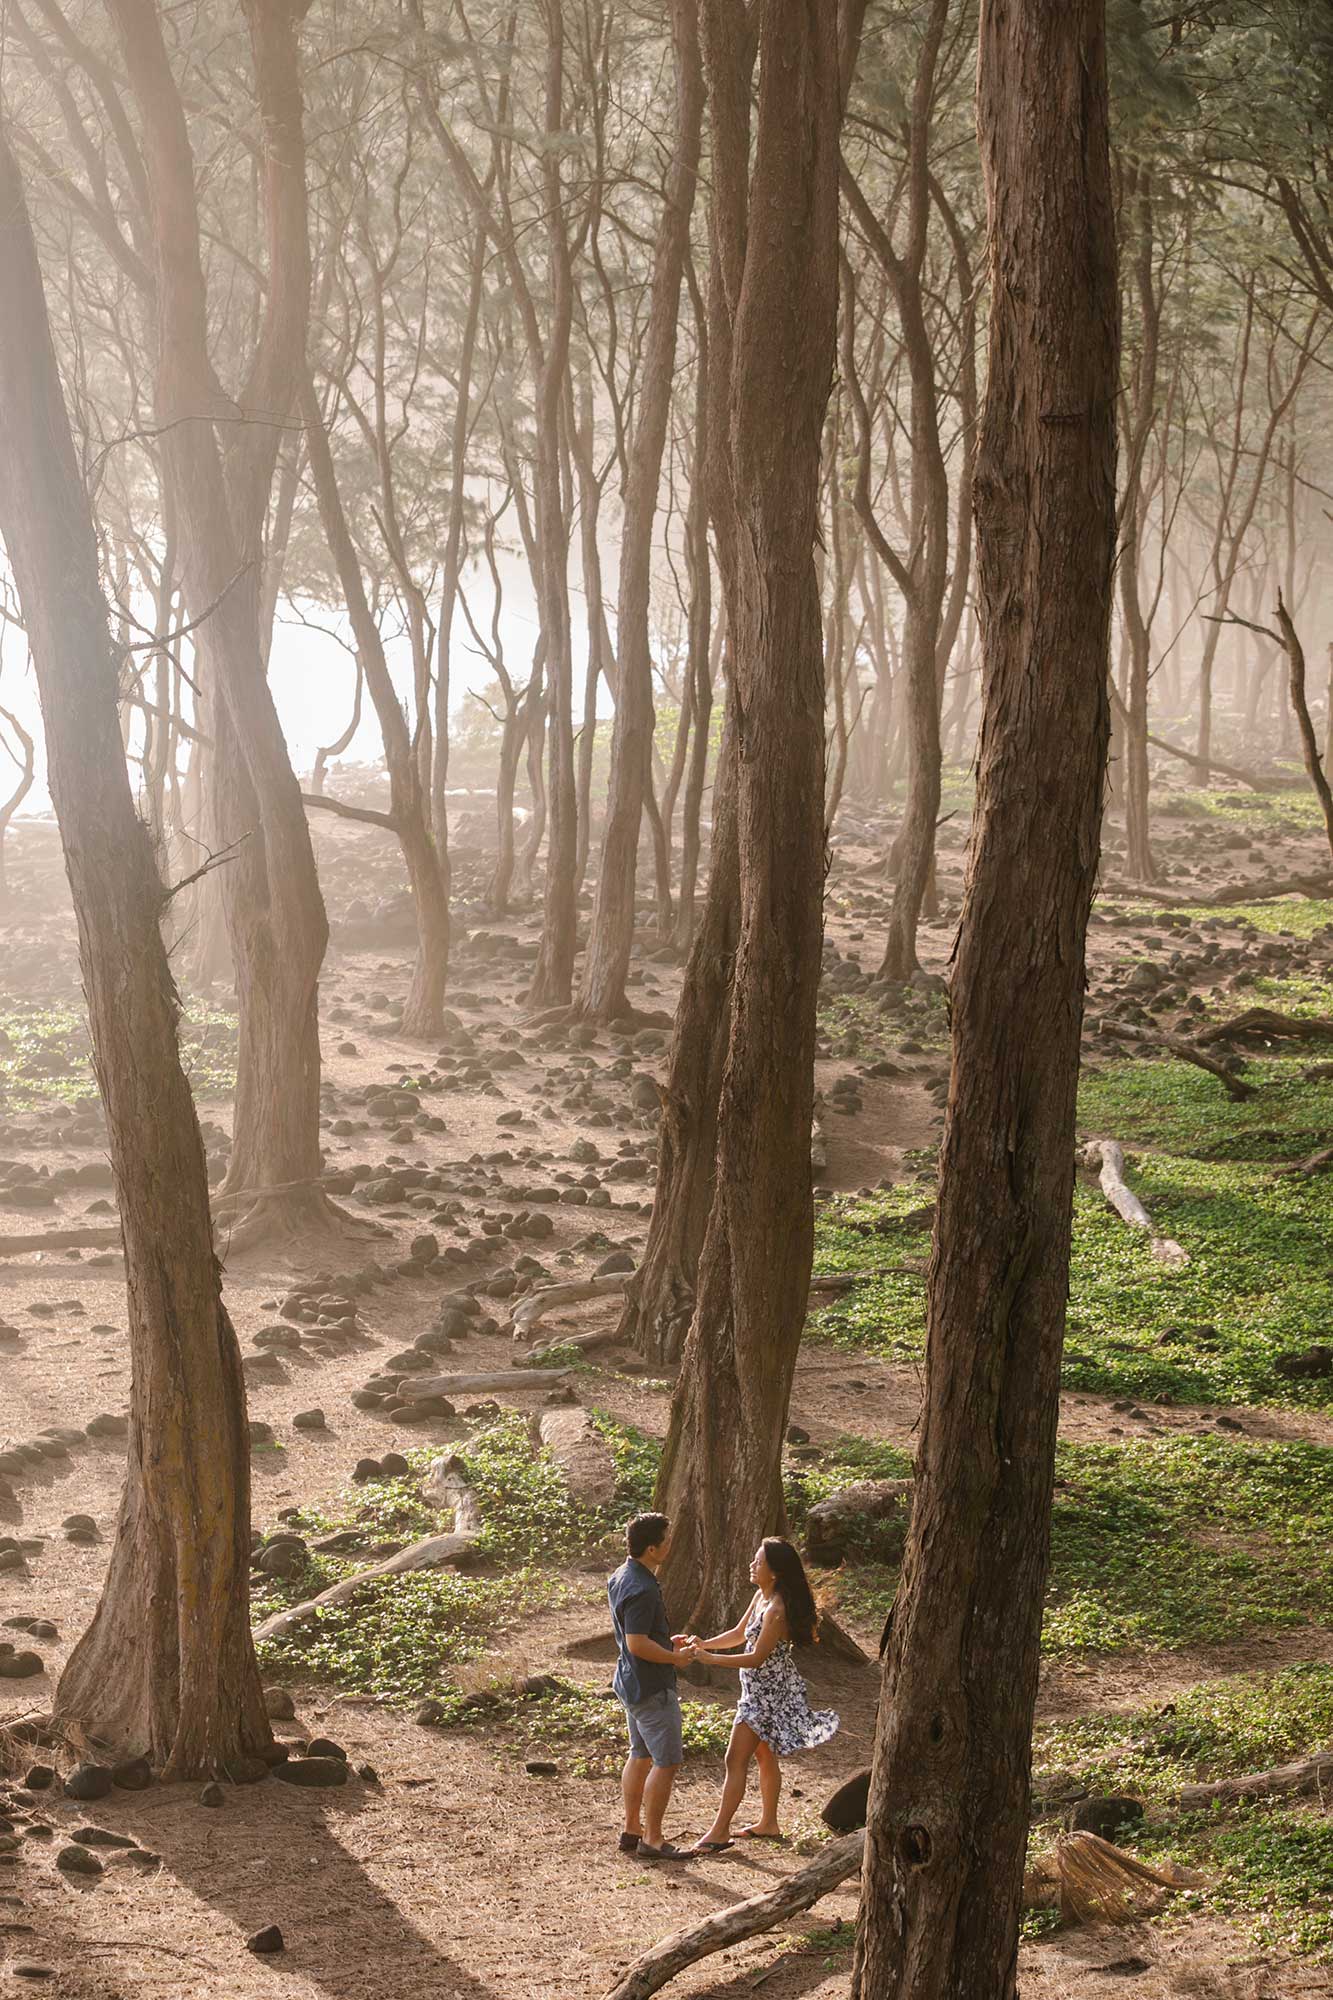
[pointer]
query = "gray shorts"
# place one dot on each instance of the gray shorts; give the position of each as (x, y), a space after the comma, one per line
(655, 1728)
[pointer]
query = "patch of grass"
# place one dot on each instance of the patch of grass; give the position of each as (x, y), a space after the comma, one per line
(1168, 1543)
(1276, 1878)
(46, 1053)
(1216, 1729)
(590, 1724)
(1303, 916)
(1259, 1283)
(404, 1637)
(400, 1635)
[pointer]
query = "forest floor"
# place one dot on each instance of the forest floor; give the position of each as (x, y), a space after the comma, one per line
(1189, 1630)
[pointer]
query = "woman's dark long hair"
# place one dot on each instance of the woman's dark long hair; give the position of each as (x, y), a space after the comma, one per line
(793, 1587)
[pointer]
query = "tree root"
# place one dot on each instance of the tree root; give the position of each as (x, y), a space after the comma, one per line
(281, 1218)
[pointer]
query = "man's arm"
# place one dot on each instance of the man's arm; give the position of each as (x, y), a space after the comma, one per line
(644, 1648)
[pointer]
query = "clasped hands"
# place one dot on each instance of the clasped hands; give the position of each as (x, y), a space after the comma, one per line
(688, 1646)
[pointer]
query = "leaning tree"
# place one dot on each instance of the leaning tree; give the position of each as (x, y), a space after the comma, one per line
(167, 1668)
(948, 1817)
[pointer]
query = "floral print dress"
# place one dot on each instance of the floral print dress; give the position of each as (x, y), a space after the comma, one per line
(773, 1698)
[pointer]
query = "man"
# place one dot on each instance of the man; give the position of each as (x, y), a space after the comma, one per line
(646, 1684)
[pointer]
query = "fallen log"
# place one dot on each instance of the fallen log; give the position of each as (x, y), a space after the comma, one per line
(414, 1387)
(1086, 1878)
(1110, 1156)
(446, 1487)
(533, 1308)
(833, 1283)
(581, 1452)
(586, 1343)
(103, 1238)
(1176, 1045)
(1273, 1026)
(1218, 899)
(649, 1973)
(1310, 1774)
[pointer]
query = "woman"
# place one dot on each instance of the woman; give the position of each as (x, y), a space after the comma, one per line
(774, 1716)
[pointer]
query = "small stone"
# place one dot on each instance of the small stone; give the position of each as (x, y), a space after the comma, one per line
(364, 1469)
(212, 1795)
(134, 1775)
(88, 1781)
(279, 1705)
(539, 1767)
(101, 1836)
(429, 1713)
(394, 1466)
(1106, 1817)
(368, 1774)
(40, 1778)
(269, 1939)
(308, 1420)
(324, 1746)
(20, 1666)
(78, 1861)
(28, 1968)
(313, 1771)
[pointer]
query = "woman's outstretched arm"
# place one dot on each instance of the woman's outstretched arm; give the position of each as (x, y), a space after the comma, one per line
(773, 1629)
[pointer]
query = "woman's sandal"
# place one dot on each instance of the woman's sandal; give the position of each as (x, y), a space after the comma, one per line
(778, 1839)
(711, 1846)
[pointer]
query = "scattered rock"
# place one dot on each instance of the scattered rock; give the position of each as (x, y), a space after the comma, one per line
(312, 1771)
(212, 1795)
(89, 1781)
(268, 1940)
(1106, 1817)
(134, 1775)
(279, 1705)
(77, 1860)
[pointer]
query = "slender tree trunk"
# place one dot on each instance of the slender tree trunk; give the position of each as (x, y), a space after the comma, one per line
(777, 234)
(167, 1668)
(553, 975)
(659, 1301)
(607, 967)
(409, 807)
(948, 1816)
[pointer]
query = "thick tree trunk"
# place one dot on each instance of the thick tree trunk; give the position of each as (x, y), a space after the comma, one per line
(948, 1820)
(167, 1668)
(603, 994)
(776, 243)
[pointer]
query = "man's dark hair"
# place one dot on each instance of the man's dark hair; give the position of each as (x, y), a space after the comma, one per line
(645, 1532)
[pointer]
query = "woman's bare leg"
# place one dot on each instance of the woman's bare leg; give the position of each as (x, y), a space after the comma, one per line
(739, 1752)
(770, 1791)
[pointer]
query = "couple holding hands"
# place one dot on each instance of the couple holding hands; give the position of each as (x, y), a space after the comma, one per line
(773, 1717)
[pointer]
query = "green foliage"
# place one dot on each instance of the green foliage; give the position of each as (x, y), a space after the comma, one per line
(1216, 1729)
(46, 1054)
(1259, 1282)
(399, 1636)
(1168, 1543)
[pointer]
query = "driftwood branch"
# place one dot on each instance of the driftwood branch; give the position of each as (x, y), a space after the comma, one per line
(1311, 1774)
(531, 1310)
(446, 1488)
(1177, 1045)
(364, 815)
(415, 1387)
(1274, 1027)
(648, 1974)
(1110, 1156)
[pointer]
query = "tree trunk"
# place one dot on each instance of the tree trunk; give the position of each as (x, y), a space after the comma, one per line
(220, 474)
(777, 253)
(167, 1668)
(949, 1807)
(409, 807)
(659, 1300)
(603, 994)
(553, 975)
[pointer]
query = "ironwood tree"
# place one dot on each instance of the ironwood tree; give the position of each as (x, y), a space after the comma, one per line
(774, 232)
(948, 1817)
(167, 1669)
